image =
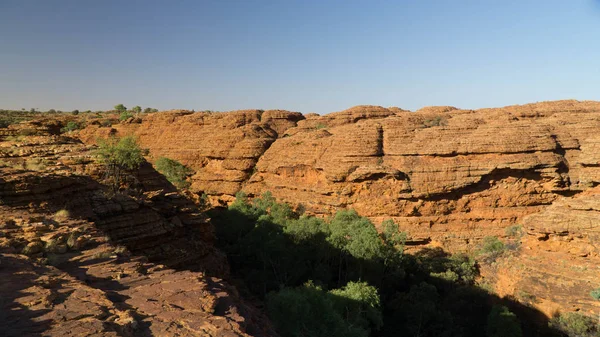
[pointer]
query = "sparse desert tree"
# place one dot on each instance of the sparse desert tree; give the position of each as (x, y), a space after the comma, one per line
(120, 108)
(136, 109)
(119, 157)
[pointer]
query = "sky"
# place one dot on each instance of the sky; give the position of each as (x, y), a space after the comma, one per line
(299, 55)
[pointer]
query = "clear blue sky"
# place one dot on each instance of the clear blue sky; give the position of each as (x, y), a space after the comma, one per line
(300, 55)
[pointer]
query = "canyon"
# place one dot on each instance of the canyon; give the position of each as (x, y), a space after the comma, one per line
(448, 177)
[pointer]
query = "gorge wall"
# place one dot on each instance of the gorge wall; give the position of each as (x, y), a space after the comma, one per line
(448, 176)
(77, 261)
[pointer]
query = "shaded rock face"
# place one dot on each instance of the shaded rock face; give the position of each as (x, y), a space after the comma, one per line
(76, 261)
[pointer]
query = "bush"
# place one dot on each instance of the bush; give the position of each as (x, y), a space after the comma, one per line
(61, 215)
(503, 323)
(492, 248)
(174, 171)
(5, 122)
(310, 311)
(125, 115)
(436, 121)
(119, 156)
(575, 325)
(71, 126)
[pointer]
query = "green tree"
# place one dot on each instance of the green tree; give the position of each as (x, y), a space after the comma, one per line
(136, 109)
(148, 110)
(119, 157)
(75, 112)
(503, 323)
(120, 108)
(174, 171)
(309, 311)
(359, 304)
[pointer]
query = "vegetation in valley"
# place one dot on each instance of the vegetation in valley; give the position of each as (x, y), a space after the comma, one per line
(174, 171)
(342, 277)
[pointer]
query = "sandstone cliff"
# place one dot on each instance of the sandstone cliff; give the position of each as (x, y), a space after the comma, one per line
(75, 261)
(448, 176)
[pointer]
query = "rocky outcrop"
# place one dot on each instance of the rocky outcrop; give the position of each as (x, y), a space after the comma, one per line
(556, 264)
(76, 260)
(222, 148)
(448, 176)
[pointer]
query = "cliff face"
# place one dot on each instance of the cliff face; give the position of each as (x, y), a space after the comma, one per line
(76, 261)
(449, 177)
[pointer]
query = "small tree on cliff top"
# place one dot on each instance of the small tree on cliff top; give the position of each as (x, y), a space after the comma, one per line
(119, 156)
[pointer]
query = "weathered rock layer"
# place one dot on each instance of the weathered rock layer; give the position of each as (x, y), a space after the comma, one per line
(448, 176)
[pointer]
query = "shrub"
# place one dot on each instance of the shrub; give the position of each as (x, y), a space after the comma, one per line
(515, 231)
(63, 214)
(174, 171)
(436, 121)
(492, 248)
(575, 325)
(75, 112)
(503, 323)
(310, 311)
(119, 156)
(125, 115)
(71, 126)
(106, 122)
(5, 122)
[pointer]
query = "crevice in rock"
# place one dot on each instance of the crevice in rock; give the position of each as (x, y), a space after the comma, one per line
(483, 184)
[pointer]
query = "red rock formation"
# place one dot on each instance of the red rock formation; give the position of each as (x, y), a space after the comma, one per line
(74, 261)
(448, 176)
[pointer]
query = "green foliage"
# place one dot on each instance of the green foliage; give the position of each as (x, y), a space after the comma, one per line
(515, 231)
(320, 126)
(595, 294)
(6, 122)
(354, 235)
(118, 157)
(492, 248)
(174, 171)
(309, 311)
(125, 115)
(575, 325)
(120, 108)
(71, 126)
(503, 323)
(360, 305)
(419, 314)
(136, 109)
(75, 112)
(275, 252)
